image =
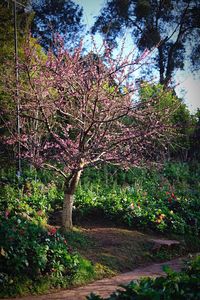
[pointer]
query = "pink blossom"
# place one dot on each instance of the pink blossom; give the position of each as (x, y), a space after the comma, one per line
(52, 231)
(79, 110)
(7, 213)
(40, 212)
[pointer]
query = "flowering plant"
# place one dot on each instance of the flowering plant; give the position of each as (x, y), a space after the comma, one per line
(34, 251)
(79, 110)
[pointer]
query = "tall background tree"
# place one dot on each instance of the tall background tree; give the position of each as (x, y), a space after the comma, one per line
(7, 55)
(172, 25)
(24, 18)
(194, 150)
(52, 17)
(180, 118)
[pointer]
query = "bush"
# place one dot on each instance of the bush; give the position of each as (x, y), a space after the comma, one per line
(182, 285)
(33, 198)
(30, 250)
(164, 201)
(163, 212)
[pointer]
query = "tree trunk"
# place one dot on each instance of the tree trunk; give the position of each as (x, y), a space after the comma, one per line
(161, 64)
(67, 212)
(70, 187)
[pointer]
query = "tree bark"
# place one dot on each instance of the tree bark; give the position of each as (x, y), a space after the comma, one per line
(67, 212)
(70, 187)
(161, 64)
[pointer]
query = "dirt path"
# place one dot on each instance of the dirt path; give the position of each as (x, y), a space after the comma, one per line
(105, 287)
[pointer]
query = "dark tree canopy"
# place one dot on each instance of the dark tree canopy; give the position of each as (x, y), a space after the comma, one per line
(24, 18)
(56, 16)
(172, 25)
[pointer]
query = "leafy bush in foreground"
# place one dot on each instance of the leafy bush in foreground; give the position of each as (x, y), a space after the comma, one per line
(184, 285)
(31, 252)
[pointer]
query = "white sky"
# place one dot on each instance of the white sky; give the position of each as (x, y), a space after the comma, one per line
(91, 8)
(188, 86)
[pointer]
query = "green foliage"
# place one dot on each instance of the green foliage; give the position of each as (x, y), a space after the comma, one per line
(86, 272)
(166, 201)
(7, 65)
(34, 256)
(7, 29)
(180, 118)
(182, 285)
(30, 250)
(195, 138)
(36, 194)
(165, 97)
(163, 201)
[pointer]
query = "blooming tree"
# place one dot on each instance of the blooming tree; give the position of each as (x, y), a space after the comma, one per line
(78, 111)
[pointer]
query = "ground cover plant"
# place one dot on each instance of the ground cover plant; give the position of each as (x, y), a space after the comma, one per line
(176, 285)
(122, 250)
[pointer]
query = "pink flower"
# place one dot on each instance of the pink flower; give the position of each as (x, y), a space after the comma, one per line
(52, 231)
(173, 196)
(7, 213)
(40, 212)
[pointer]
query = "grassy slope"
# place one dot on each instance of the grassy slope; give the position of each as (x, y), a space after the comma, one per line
(120, 250)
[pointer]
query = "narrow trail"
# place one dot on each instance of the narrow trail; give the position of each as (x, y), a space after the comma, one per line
(105, 287)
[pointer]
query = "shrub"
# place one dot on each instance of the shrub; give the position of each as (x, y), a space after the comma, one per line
(164, 211)
(30, 250)
(33, 198)
(165, 201)
(182, 285)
